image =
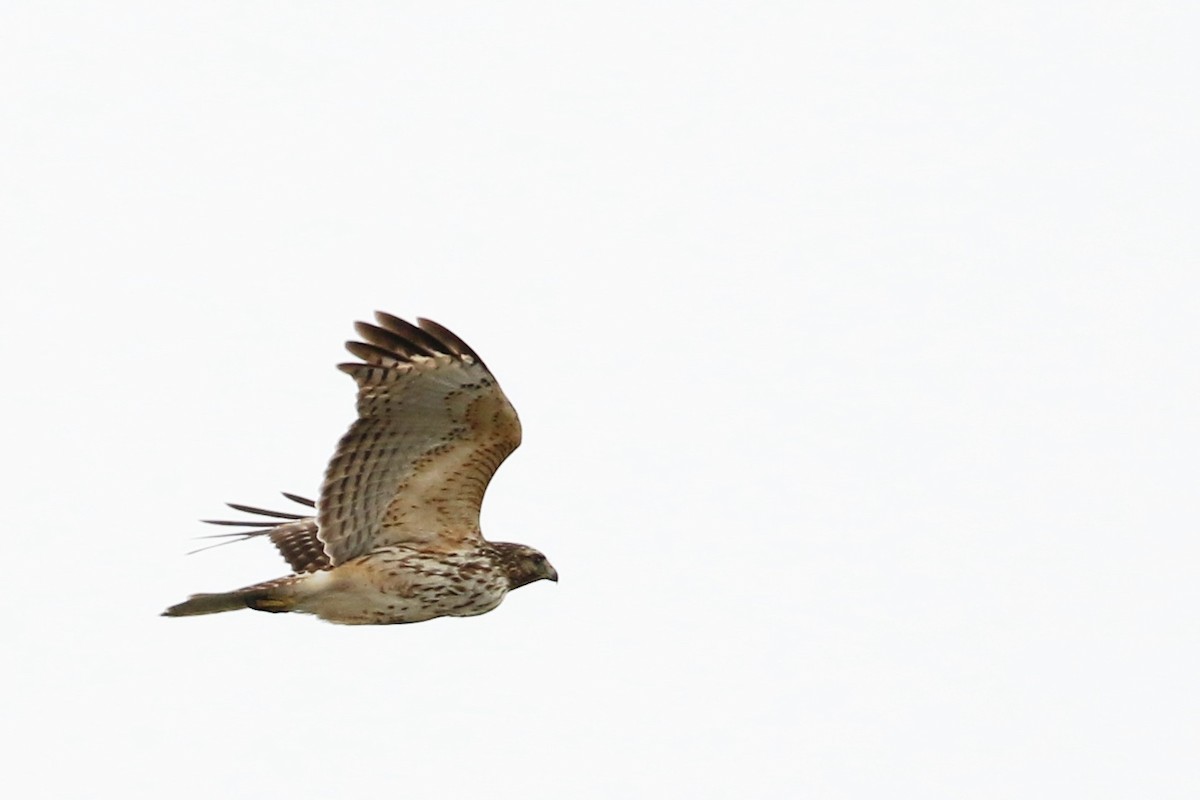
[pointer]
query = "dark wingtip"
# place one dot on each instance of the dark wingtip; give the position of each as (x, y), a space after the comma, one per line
(395, 341)
(449, 340)
(375, 355)
(264, 512)
(304, 501)
(413, 335)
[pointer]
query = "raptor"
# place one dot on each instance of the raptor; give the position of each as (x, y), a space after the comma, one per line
(394, 534)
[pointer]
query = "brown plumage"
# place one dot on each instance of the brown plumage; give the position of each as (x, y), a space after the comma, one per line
(395, 536)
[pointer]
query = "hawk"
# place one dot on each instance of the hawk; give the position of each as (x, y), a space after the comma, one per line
(394, 536)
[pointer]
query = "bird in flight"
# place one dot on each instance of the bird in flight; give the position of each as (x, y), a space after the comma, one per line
(394, 534)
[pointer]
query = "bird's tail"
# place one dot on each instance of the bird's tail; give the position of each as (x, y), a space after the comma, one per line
(276, 596)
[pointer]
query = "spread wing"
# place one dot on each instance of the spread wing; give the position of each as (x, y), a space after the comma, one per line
(432, 429)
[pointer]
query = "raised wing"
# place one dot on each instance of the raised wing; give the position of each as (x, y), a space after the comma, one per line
(432, 429)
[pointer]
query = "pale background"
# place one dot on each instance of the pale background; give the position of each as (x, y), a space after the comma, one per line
(855, 344)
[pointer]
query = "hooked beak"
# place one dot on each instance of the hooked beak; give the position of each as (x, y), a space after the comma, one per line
(553, 576)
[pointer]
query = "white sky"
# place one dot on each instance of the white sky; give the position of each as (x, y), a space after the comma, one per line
(855, 346)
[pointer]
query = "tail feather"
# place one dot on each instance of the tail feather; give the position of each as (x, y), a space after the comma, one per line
(208, 604)
(275, 596)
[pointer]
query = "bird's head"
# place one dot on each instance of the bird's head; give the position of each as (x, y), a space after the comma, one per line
(524, 564)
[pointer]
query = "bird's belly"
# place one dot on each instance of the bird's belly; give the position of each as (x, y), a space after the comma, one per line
(383, 589)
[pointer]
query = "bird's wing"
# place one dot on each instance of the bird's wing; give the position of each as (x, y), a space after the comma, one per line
(433, 426)
(294, 535)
